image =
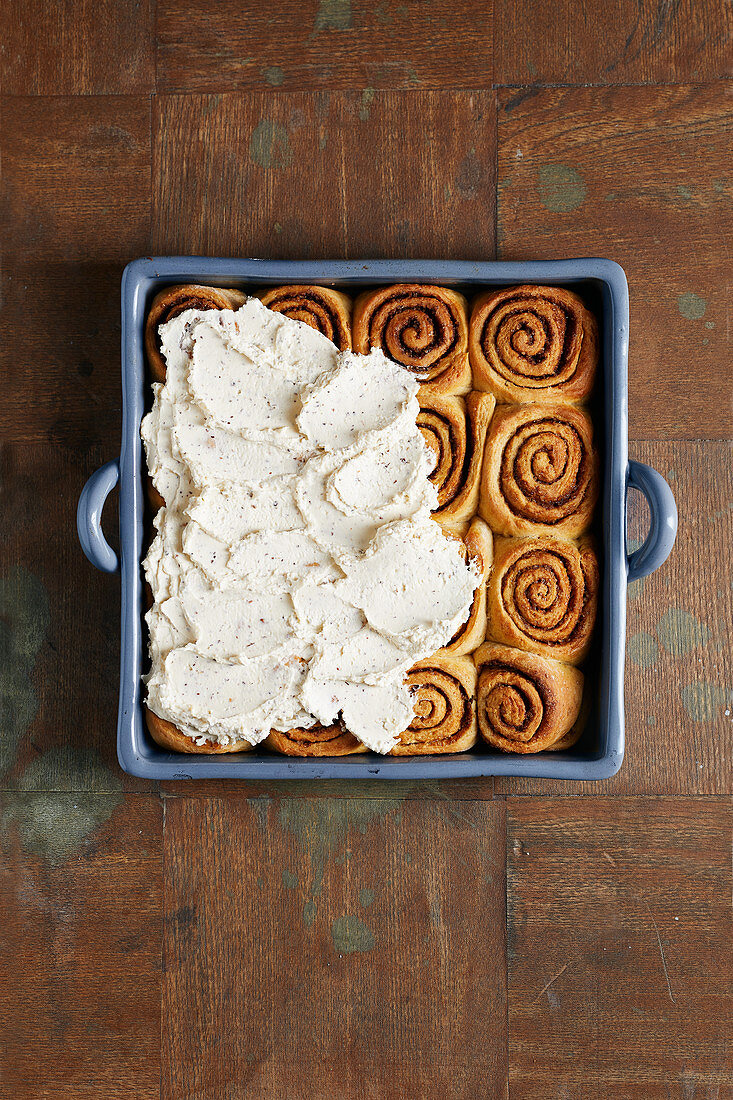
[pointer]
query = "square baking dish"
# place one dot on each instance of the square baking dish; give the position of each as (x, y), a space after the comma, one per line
(599, 752)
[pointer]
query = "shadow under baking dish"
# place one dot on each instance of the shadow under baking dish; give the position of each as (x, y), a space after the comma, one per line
(599, 752)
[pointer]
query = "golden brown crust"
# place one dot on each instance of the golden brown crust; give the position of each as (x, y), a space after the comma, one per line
(543, 596)
(174, 300)
(540, 471)
(155, 499)
(525, 703)
(443, 691)
(455, 428)
(326, 310)
(576, 730)
(533, 344)
(319, 740)
(478, 545)
(170, 737)
(423, 327)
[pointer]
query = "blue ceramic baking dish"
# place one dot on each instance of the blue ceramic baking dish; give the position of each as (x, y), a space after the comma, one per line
(599, 752)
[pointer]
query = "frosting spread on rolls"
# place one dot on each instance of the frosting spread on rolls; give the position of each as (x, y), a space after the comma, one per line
(296, 573)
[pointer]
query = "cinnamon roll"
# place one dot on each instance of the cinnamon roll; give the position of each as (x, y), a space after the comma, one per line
(526, 703)
(533, 343)
(443, 690)
(177, 299)
(543, 596)
(168, 736)
(478, 548)
(326, 310)
(540, 471)
(425, 328)
(455, 428)
(317, 740)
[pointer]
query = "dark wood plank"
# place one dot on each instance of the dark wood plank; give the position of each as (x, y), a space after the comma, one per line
(333, 948)
(619, 948)
(76, 195)
(328, 175)
(77, 47)
(436, 790)
(639, 175)
(80, 906)
(222, 46)
(679, 658)
(629, 41)
(59, 630)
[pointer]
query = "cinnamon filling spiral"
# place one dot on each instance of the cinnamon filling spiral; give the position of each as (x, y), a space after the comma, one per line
(324, 310)
(549, 591)
(316, 740)
(455, 429)
(533, 338)
(416, 330)
(511, 706)
(532, 342)
(546, 470)
(442, 706)
(451, 446)
(524, 702)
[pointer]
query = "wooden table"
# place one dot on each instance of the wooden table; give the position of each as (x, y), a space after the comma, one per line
(455, 939)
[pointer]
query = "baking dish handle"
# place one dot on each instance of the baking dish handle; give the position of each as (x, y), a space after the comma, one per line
(89, 517)
(658, 544)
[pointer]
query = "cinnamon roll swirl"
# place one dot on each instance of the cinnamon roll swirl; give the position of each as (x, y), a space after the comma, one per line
(454, 429)
(543, 596)
(533, 343)
(540, 471)
(177, 299)
(326, 310)
(425, 328)
(478, 548)
(443, 690)
(526, 703)
(317, 740)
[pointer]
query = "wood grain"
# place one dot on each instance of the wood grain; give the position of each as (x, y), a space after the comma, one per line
(59, 630)
(629, 41)
(320, 44)
(639, 175)
(679, 657)
(349, 175)
(75, 191)
(80, 904)
(440, 790)
(357, 945)
(77, 47)
(619, 948)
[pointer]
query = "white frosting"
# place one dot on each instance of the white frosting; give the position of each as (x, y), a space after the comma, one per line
(296, 572)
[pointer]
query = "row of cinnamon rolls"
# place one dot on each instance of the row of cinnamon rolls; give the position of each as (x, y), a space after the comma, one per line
(516, 471)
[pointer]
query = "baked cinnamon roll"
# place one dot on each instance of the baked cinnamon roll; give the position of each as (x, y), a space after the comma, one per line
(443, 690)
(526, 703)
(177, 299)
(533, 343)
(425, 328)
(540, 471)
(543, 596)
(326, 310)
(455, 428)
